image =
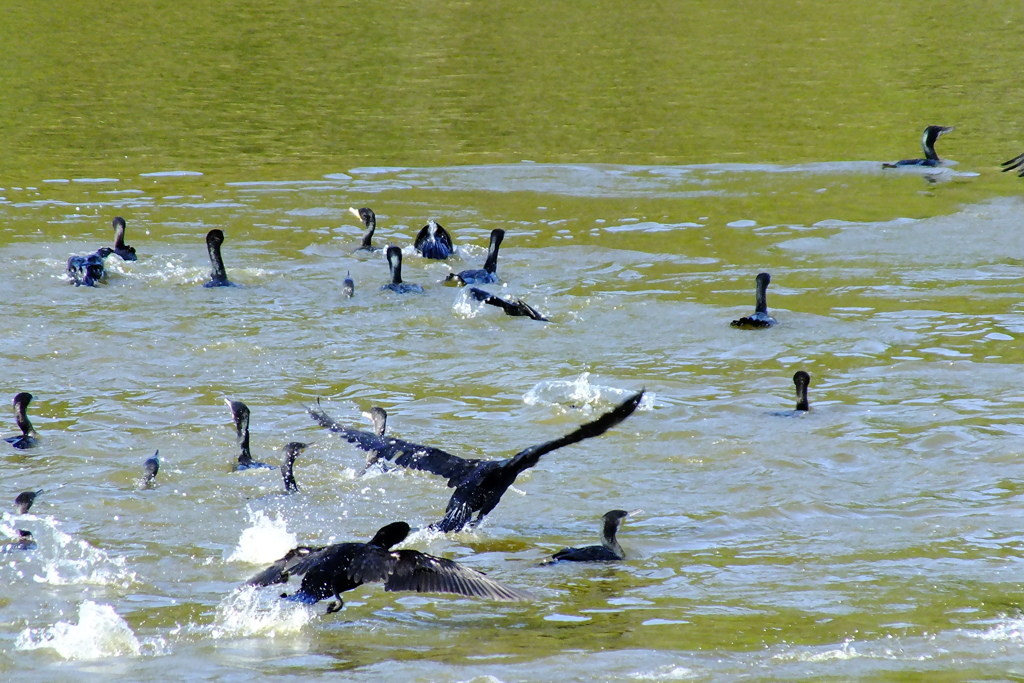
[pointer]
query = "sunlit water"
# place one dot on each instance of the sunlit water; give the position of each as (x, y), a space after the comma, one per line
(877, 536)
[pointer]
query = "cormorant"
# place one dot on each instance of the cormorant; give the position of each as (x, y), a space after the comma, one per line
(396, 285)
(1015, 164)
(760, 318)
(218, 275)
(240, 414)
(433, 241)
(291, 451)
(88, 270)
(149, 471)
(802, 380)
(331, 570)
(486, 275)
(348, 286)
(369, 219)
(127, 253)
(608, 551)
(25, 542)
(514, 307)
(23, 503)
(478, 484)
(928, 138)
(28, 437)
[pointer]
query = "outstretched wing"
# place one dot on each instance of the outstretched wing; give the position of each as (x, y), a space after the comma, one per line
(528, 457)
(422, 573)
(1015, 164)
(404, 453)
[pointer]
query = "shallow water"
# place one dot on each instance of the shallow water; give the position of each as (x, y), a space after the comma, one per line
(875, 538)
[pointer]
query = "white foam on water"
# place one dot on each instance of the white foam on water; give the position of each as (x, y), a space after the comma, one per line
(60, 559)
(99, 633)
(265, 541)
(580, 393)
(250, 611)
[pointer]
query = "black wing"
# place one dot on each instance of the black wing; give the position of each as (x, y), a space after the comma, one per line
(404, 453)
(283, 568)
(528, 457)
(422, 573)
(516, 307)
(1015, 164)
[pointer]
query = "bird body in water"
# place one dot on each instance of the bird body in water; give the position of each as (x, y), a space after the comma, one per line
(486, 275)
(348, 286)
(608, 551)
(126, 252)
(928, 138)
(517, 307)
(28, 437)
(25, 541)
(331, 570)
(433, 241)
(479, 484)
(149, 471)
(291, 451)
(23, 502)
(369, 219)
(240, 415)
(760, 318)
(1015, 164)
(396, 285)
(87, 270)
(801, 380)
(218, 275)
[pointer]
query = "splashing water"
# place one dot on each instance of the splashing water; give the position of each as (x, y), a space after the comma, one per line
(265, 541)
(251, 612)
(99, 633)
(580, 394)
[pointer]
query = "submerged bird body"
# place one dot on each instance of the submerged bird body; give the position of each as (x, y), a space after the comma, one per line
(608, 551)
(25, 541)
(396, 285)
(149, 471)
(28, 437)
(240, 415)
(331, 570)
(517, 307)
(479, 484)
(23, 502)
(369, 219)
(126, 252)
(801, 380)
(433, 241)
(348, 286)
(760, 318)
(928, 138)
(87, 270)
(218, 274)
(486, 275)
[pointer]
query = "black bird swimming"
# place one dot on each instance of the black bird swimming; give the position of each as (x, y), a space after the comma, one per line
(478, 484)
(928, 138)
(512, 307)
(240, 414)
(802, 380)
(1015, 164)
(218, 275)
(348, 286)
(433, 241)
(608, 551)
(87, 270)
(25, 541)
(23, 503)
(331, 570)
(396, 285)
(291, 451)
(369, 219)
(760, 318)
(28, 437)
(149, 471)
(487, 274)
(127, 253)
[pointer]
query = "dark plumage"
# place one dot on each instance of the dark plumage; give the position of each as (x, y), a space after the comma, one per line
(331, 570)
(801, 380)
(291, 451)
(24, 500)
(149, 471)
(478, 484)
(396, 285)
(25, 541)
(928, 138)
(87, 270)
(487, 274)
(126, 252)
(348, 286)
(28, 437)
(514, 307)
(433, 241)
(608, 551)
(1015, 164)
(369, 219)
(760, 318)
(218, 275)
(240, 414)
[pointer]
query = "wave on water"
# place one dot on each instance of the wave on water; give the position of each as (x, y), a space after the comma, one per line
(62, 560)
(580, 394)
(250, 611)
(266, 540)
(99, 633)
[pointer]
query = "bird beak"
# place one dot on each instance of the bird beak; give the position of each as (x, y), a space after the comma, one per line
(354, 213)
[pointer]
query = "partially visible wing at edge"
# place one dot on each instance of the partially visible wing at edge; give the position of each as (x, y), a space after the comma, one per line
(1015, 164)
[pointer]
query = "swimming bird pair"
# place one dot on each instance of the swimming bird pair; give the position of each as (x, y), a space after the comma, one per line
(88, 269)
(479, 484)
(432, 241)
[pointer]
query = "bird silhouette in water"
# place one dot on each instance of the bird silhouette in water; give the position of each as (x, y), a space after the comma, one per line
(218, 275)
(433, 241)
(928, 138)
(126, 252)
(240, 415)
(28, 437)
(24, 541)
(479, 484)
(801, 380)
(149, 471)
(329, 571)
(23, 502)
(87, 270)
(291, 451)
(369, 219)
(517, 307)
(396, 285)
(608, 551)
(486, 275)
(348, 286)
(760, 318)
